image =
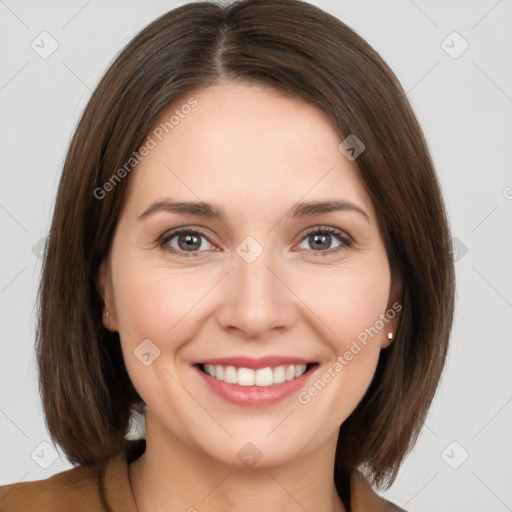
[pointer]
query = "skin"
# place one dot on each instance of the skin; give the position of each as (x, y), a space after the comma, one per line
(255, 153)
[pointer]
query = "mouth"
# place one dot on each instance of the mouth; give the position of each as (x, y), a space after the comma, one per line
(255, 383)
(261, 377)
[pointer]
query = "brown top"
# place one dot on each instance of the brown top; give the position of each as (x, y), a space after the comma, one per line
(89, 489)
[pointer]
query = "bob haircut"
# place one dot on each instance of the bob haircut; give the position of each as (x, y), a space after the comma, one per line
(301, 51)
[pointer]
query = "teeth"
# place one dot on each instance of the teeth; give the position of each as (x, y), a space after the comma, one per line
(230, 375)
(249, 377)
(245, 377)
(299, 370)
(279, 375)
(263, 377)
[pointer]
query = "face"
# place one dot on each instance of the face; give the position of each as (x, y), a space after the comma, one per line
(254, 289)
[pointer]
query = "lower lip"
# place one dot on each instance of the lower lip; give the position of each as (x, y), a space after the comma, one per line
(255, 396)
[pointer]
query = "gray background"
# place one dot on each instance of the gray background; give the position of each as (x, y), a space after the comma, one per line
(464, 103)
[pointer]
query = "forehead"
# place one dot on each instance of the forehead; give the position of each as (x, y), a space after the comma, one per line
(244, 145)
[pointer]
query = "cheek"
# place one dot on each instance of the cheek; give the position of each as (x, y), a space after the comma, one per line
(350, 302)
(160, 304)
(352, 308)
(154, 304)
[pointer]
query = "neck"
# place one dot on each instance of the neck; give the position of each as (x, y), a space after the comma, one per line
(171, 475)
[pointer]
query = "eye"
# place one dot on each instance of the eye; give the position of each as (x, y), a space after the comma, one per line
(184, 242)
(189, 242)
(321, 240)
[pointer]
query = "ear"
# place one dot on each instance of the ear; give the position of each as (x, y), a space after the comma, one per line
(393, 313)
(105, 290)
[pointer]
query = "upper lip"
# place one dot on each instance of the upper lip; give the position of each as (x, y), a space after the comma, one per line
(255, 363)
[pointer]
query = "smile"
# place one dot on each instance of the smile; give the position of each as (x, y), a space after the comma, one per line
(252, 383)
(261, 377)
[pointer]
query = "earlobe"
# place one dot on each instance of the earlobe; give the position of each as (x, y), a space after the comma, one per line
(101, 281)
(393, 313)
(103, 285)
(388, 338)
(389, 333)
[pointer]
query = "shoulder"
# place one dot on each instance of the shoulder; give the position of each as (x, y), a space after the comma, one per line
(391, 507)
(365, 498)
(80, 489)
(76, 489)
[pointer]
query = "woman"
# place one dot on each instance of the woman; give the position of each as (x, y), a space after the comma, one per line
(182, 275)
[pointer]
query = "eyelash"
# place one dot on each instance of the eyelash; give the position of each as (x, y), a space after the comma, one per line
(345, 240)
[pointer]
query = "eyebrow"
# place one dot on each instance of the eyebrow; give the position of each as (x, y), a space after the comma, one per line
(202, 209)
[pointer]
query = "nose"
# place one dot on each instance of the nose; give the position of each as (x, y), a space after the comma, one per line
(257, 302)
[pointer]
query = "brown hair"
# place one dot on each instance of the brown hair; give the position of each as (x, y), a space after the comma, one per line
(301, 50)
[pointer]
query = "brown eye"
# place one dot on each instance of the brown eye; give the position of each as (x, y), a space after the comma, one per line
(322, 239)
(184, 241)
